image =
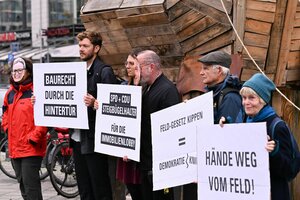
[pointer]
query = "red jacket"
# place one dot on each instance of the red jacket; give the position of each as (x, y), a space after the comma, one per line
(18, 122)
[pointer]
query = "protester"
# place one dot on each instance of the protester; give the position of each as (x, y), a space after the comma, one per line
(158, 93)
(91, 168)
(256, 94)
(227, 102)
(26, 142)
(225, 87)
(128, 171)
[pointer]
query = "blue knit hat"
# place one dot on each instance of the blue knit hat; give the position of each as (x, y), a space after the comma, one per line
(262, 85)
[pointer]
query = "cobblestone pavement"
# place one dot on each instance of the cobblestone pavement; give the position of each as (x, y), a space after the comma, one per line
(9, 190)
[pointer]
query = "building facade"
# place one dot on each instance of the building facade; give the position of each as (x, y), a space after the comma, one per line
(32, 28)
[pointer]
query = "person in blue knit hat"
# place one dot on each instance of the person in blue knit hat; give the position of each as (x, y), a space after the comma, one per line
(256, 96)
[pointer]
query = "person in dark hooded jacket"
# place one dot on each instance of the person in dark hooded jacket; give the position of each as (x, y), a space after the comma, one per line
(225, 87)
(226, 98)
(256, 94)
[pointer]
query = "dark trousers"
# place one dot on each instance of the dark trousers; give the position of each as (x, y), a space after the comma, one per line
(92, 175)
(135, 191)
(147, 189)
(118, 188)
(190, 191)
(27, 172)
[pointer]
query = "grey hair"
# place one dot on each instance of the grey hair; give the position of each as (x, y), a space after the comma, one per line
(225, 70)
(151, 57)
(250, 91)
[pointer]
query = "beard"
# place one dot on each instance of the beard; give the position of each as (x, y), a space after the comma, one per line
(86, 57)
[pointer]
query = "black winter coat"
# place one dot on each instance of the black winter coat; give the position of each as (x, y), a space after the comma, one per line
(279, 161)
(98, 73)
(162, 94)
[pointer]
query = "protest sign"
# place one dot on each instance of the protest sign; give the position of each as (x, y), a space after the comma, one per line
(59, 89)
(233, 162)
(174, 141)
(118, 120)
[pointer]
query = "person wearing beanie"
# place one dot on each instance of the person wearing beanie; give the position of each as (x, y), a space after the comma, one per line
(262, 85)
(26, 141)
(256, 96)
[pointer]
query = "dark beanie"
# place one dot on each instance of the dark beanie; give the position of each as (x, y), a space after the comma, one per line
(216, 58)
(262, 85)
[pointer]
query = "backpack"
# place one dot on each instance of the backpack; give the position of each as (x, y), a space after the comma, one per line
(219, 100)
(119, 80)
(223, 93)
(295, 154)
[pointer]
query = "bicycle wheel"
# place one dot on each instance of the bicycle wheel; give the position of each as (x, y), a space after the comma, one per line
(62, 171)
(6, 165)
(5, 161)
(44, 170)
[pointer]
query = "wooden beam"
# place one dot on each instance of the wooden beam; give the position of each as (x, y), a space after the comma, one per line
(285, 42)
(258, 27)
(296, 33)
(177, 10)
(204, 36)
(146, 31)
(261, 5)
(101, 5)
(294, 60)
(196, 28)
(248, 63)
(239, 24)
(292, 75)
(258, 53)
(136, 3)
(116, 47)
(144, 20)
(276, 36)
(207, 10)
(295, 45)
(186, 20)
(218, 42)
(126, 12)
(153, 40)
(257, 40)
(260, 15)
(247, 73)
(170, 3)
(217, 5)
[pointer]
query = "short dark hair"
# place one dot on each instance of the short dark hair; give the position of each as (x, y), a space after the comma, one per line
(93, 36)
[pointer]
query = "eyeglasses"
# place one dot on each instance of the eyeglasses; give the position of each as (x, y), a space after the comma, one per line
(17, 71)
(144, 65)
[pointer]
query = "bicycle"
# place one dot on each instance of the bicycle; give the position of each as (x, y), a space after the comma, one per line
(61, 166)
(6, 166)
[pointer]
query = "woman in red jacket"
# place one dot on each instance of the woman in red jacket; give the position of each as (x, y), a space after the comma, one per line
(26, 142)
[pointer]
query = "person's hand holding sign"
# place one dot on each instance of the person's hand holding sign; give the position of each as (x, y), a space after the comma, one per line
(96, 104)
(89, 100)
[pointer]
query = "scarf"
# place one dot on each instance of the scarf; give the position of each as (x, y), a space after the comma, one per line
(262, 115)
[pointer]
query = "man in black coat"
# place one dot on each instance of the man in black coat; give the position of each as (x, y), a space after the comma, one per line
(158, 93)
(91, 168)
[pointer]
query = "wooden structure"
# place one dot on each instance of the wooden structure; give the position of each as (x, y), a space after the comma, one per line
(180, 30)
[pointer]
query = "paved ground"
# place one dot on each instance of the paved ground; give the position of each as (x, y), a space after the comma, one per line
(9, 190)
